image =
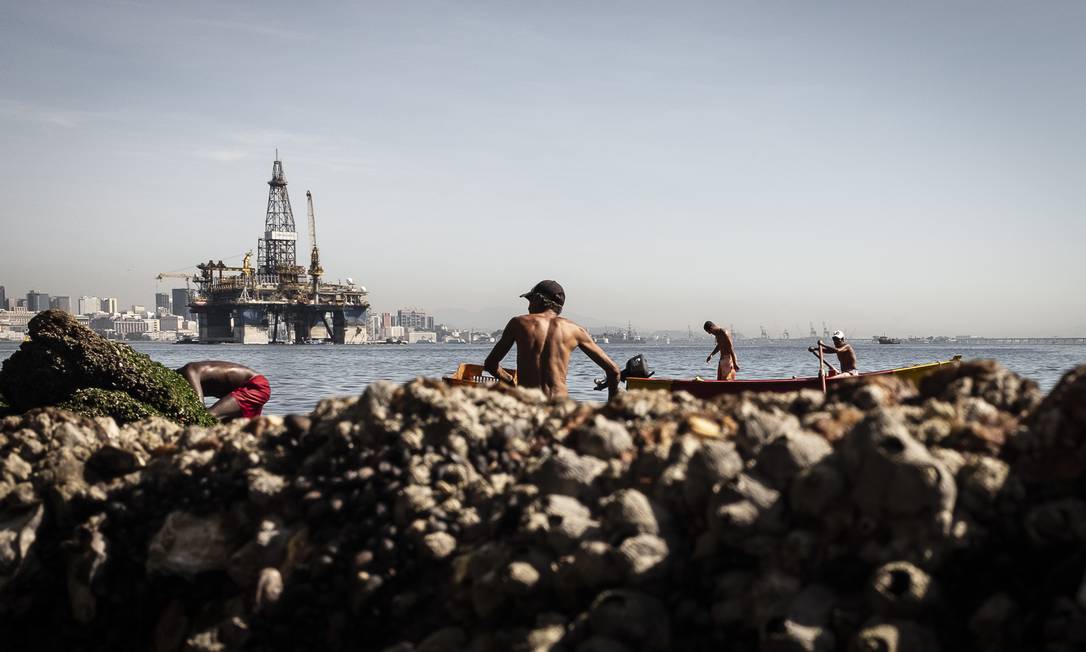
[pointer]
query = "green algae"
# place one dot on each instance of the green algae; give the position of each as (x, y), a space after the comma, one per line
(95, 402)
(63, 357)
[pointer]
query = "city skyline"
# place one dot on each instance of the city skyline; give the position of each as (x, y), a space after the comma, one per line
(795, 330)
(884, 169)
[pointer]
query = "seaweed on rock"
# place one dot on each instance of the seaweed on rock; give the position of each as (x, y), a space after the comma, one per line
(63, 357)
(95, 402)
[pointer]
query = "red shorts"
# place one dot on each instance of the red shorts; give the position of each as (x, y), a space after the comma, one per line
(252, 396)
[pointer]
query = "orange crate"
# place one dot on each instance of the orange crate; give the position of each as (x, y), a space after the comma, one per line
(474, 374)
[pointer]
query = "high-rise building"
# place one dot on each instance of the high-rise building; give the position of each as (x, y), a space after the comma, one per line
(89, 305)
(37, 301)
(3, 298)
(171, 323)
(162, 304)
(109, 305)
(61, 303)
(414, 319)
(180, 301)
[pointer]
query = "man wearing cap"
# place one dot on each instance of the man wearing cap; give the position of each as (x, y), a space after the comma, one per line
(846, 355)
(544, 343)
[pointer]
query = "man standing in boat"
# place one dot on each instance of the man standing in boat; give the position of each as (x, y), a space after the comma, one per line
(544, 343)
(241, 391)
(846, 355)
(728, 364)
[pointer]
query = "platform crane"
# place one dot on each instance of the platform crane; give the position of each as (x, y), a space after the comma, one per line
(187, 277)
(315, 269)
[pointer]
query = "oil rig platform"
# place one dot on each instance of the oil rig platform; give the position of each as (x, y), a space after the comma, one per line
(277, 301)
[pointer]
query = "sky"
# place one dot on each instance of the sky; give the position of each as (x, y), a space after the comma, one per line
(903, 168)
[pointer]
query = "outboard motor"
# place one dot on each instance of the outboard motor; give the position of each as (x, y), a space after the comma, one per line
(636, 367)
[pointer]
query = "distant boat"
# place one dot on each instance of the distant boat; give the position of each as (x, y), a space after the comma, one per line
(888, 340)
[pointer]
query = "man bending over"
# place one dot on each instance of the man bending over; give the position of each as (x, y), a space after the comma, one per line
(241, 391)
(544, 343)
(728, 364)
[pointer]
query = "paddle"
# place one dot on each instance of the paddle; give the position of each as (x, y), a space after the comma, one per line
(821, 361)
(824, 361)
(821, 371)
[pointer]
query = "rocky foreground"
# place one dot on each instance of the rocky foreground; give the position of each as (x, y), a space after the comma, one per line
(423, 517)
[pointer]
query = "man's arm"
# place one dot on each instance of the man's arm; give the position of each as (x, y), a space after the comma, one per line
(191, 373)
(493, 363)
(593, 351)
(710, 356)
(826, 348)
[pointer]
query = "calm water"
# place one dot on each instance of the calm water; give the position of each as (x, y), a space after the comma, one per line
(302, 375)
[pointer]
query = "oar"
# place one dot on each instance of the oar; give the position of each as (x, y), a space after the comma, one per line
(821, 371)
(826, 362)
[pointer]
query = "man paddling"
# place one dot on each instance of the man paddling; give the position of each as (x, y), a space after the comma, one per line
(727, 365)
(544, 343)
(241, 391)
(846, 355)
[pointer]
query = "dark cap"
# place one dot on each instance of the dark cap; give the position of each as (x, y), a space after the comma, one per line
(548, 290)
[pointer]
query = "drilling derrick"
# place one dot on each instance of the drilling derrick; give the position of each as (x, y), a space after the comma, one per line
(279, 245)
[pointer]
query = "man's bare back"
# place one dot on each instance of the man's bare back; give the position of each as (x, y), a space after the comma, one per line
(215, 377)
(544, 343)
(224, 380)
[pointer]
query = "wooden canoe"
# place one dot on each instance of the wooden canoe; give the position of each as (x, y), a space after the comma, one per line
(713, 388)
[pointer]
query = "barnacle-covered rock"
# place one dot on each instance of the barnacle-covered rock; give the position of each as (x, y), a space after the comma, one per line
(1052, 450)
(894, 476)
(426, 517)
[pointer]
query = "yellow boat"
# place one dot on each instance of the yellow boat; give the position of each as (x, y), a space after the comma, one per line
(713, 388)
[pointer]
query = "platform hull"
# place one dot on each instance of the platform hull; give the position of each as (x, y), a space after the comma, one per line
(279, 323)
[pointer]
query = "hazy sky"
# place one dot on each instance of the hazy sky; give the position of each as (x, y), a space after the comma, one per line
(907, 167)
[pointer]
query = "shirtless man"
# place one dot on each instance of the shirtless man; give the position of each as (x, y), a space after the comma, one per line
(241, 391)
(728, 364)
(846, 355)
(544, 343)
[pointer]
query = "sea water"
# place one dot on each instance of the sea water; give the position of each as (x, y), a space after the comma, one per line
(302, 375)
